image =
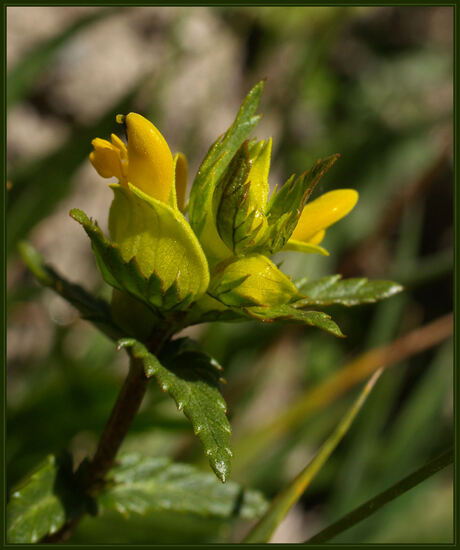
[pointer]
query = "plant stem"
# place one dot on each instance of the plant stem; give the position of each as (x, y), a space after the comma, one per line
(121, 418)
(125, 409)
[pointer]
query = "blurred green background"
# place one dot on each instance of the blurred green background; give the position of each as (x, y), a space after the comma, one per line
(375, 85)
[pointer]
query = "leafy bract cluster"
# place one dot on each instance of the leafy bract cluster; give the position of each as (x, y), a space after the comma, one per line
(173, 264)
(217, 264)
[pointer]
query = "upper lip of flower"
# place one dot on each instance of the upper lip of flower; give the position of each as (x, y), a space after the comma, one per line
(146, 162)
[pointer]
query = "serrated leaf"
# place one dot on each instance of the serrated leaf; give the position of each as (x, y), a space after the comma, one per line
(348, 292)
(291, 314)
(192, 379)
(141, 485)
(240, 221)
(290, 494)
(160, 239)
(127, 276)
(214, 165)
(92, 309)
(43, 503)
(286, 205)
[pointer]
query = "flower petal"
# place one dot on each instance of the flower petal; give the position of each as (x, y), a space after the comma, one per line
(323, 212)
(106, 159)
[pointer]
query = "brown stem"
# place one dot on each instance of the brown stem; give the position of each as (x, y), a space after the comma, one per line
(121, 418)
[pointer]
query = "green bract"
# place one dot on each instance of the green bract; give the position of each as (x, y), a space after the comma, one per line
(160, 239)
(251, 281)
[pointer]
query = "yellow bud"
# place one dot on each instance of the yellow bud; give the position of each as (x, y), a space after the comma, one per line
(321, 213)
(260, 282)
(151, 167)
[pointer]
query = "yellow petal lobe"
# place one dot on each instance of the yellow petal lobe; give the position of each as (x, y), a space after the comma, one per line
(151, 166)
(106, 159)
(323, 212)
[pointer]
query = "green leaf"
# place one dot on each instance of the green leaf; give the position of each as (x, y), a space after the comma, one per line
(126, 276)
(251, 281)
(288, 496)
(192, 379)
(92, 309)
(43, 503)
(214, 165)
(143, 485)
(349, 292)
(291, 314)
(240, 198)
(237, 221)
(286, 205)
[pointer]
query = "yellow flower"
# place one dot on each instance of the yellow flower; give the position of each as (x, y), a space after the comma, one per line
(317, 216)
(146, 162)
(145, 221)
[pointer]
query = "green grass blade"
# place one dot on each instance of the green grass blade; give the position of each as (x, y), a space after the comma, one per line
(374, 504)
(284, 501)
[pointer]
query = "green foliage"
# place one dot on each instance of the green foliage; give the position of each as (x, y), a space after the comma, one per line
(153, 233)
(213, 167)
(380, 114)
(192, 379)
(285, 206)
(126, 276)
(239, 200)
(251, 281)
(291, 314)
(142, 485)
(349, 292)
(42, 503)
